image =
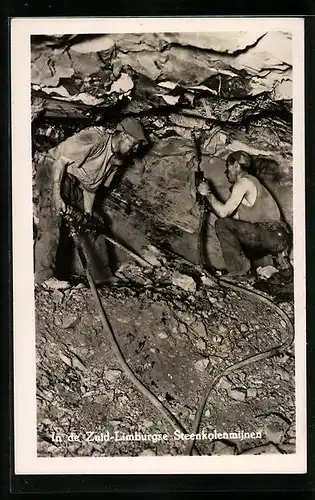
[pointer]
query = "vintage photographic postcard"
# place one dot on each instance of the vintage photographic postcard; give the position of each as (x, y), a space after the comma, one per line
(158, 245)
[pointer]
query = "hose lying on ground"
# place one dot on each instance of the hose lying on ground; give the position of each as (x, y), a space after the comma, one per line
(273, 351)
(116, 349)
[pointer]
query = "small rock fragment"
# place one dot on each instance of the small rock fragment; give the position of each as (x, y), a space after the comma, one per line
(162, 335)
(291, 432)
(237, 394)
(284, 375)
(207, 413)
(124, 319)
(101, 44)
(274, 434)
(147, 453)
(225, 383)
(151, 258)
(147, 424)
(220, 448)
(44, 381)
(266, 272)
(69, 321)
(200, 329)
(219, 305)
(207, 282)
(115, 423)
(43, 448)
(217, 339)
(76, 363)
(117, 66)
(184, 317)
(65, 359)
(283, 358)
(123, 84)
(202, 364)
(223, 330)
(263, 449)
(159, 123)
(79, 286)
(169, 99)
(182, 328)
(102, 399)
(254, 380)
(288, 448)
(54, 284)
(244, 328)
(186, 411)
(46, 421)
(183, 281)
(200, 344)
(57, 297)
(251, 392)
(124, 399)
(287, 307)
(112, 375)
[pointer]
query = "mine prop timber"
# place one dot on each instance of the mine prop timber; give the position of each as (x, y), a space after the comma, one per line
(79, 222)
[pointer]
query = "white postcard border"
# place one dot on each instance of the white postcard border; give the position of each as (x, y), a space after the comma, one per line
(26, 461)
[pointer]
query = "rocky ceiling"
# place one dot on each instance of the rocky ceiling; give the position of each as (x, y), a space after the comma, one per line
(226, 77)
(234, 88)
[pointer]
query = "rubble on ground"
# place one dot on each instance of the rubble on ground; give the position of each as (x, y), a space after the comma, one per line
(175, 340)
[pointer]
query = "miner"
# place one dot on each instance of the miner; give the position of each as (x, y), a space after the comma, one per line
(249, 225)
(72, 174)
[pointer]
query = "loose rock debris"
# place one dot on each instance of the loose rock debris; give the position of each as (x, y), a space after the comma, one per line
(176, 341)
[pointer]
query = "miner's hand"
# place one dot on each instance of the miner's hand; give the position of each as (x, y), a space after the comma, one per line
(59, 204)
(204, 189)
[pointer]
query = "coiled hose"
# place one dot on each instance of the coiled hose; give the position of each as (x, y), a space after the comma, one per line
(269, 353)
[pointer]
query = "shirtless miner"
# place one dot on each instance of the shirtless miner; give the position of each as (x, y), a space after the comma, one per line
(249, 225)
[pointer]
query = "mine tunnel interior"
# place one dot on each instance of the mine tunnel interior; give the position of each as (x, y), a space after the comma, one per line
(185, 88)
(175, 329)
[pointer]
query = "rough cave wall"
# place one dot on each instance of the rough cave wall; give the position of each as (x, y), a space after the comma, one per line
(233, 89)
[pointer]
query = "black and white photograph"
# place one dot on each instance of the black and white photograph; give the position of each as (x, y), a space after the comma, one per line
(158, 203)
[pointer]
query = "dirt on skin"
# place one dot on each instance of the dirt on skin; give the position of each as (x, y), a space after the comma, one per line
(175, 341)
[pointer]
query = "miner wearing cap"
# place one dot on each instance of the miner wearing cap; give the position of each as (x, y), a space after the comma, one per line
(72, 173)
(249, 225)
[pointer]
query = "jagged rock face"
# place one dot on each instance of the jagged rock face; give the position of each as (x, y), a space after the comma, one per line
(233, 89)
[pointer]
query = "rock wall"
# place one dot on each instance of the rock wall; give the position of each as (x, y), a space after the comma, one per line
(233, 89)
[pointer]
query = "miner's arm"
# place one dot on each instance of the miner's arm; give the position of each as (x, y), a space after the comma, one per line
(88, 201)
(226, 209)
(59, 169)
(74, 150)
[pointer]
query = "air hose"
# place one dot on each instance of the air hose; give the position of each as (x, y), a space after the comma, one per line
(269, 353)
(107, 328)
(191, 447)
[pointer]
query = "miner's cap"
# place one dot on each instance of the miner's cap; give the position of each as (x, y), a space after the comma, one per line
(134, 128)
